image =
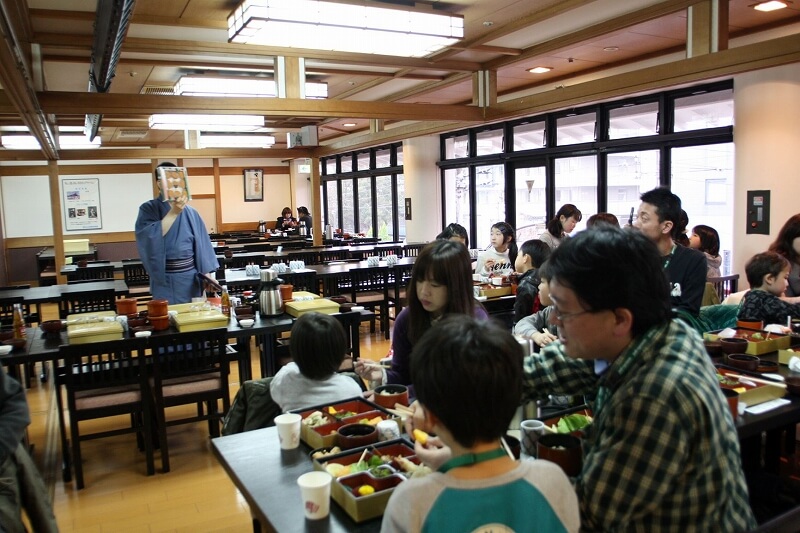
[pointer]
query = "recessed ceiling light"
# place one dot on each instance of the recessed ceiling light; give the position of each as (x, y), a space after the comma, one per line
(488, 23)
(611, 49)
(349, 124)
(539, 70)
(772, 5)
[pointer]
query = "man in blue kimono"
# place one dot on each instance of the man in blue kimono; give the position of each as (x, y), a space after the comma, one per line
(174, 247)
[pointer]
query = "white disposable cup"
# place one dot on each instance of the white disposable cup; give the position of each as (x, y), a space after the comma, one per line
(388, 430)
(288, 425)
(315, 494)
(530, 431)
(497, 281)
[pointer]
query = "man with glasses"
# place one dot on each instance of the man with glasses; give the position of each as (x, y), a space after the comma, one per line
(658, 215)
(662, 453)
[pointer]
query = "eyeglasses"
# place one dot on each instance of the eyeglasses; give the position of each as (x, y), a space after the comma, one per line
(563, 317)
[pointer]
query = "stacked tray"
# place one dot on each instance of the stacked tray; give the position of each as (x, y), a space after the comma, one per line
(397, 463)
(335, 415)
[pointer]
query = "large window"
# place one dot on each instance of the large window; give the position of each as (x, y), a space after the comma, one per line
(372, 193)
(600, 158)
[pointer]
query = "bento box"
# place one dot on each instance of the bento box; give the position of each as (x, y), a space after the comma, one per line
(320, 423)
(104, 330)
(364, 478)
(784, 356)
(297, 308)
(750, 392)
(758, 342)
(494, 291)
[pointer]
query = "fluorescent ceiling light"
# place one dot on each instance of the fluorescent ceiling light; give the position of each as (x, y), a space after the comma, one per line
(539, 70)
(319, 25)
(206, 122)
(251, 87)
(235, 141)
(772, 5)
(66, 142)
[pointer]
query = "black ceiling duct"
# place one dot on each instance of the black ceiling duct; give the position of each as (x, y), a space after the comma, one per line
(110, 27)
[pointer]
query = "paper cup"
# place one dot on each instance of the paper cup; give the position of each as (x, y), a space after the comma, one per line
(315, 493)
(288, 425)
(388, 430)
(530, 431)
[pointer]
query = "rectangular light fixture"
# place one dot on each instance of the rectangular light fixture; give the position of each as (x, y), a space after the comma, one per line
(240, 86)
(235, 141)
(206, 122)
(360, 28)
(66, 142)
(772, 5)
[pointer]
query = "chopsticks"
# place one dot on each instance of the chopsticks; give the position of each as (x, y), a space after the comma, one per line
(758, 380)
(400, 411)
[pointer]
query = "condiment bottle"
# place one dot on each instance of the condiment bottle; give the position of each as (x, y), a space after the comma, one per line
(226, 301)
(19, 322)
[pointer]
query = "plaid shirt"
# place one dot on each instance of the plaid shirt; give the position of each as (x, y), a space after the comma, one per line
(662, 453)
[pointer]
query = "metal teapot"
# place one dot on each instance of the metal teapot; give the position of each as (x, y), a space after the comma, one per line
(269, 297)
(262, 226)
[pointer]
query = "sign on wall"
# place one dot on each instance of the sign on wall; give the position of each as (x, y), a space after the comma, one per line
(81, 204)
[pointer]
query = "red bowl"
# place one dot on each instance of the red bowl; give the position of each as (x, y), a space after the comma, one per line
(18, 344)
(159, 323)
(52, 326)
(743, 361)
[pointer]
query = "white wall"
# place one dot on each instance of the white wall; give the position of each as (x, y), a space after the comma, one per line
(766, 137)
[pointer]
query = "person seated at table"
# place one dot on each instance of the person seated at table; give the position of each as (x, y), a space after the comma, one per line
(468, 378)
(706, 239)
(602, 218)
(532, 254)
(768, 274)
(304, 216)
(174, 246)
(499, 258)
(455, 232)
(441, 284)
(658, 409)
(318, 346)
(538, 326)
(286, 222)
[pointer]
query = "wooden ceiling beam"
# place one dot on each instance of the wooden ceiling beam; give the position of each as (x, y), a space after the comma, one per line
(70, 103)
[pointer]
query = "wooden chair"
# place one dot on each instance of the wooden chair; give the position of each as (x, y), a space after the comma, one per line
(87, 302)
(103, 379)
(327, 256)
(725, 285)
(412, 250)
(242, 261)
(302, 281)
(401, 275)
(370, 288)
(189, 368)
(137, 279)
(94, 273)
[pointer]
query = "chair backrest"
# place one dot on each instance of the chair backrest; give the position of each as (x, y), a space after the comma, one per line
(370, 279)
(242, 261)
(87, 302)
(333, 255)
(103, 364)
(302, 281)
(190, 353)
(135, 274)
(401, 275)
(412, 250)
(91, 273)
(308, 257)
(725, 285)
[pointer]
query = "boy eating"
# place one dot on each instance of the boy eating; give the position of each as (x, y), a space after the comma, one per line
(767, 273)
(468, 380)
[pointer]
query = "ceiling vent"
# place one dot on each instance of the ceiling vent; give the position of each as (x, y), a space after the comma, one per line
(131, 133)
(158, 90)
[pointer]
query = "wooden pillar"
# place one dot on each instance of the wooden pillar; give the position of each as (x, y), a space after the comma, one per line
(376, 125)
(484, 88)
(316, 202)
(58, 218)
(707, 28)
(290, 77)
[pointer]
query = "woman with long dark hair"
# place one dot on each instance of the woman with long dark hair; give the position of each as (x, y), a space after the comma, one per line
(561, 225)
(787, 243)
(441, 284)
(706, 239)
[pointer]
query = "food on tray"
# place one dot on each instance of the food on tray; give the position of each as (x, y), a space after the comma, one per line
(370, 421)
(412, 468)
(420, 436)
(315, 419)
(573, 422)
(339, 470)
(365, 490)
(325, 453)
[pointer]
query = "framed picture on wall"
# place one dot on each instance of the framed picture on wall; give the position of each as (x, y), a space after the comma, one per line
(81, 204)
(253, 185)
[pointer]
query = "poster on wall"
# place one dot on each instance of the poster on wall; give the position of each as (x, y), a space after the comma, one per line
(82, 204)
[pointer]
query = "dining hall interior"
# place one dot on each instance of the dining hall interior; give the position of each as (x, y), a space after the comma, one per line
(528, 107)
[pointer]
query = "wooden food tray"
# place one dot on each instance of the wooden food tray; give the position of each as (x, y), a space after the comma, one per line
(776, 341)
(324, 436)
